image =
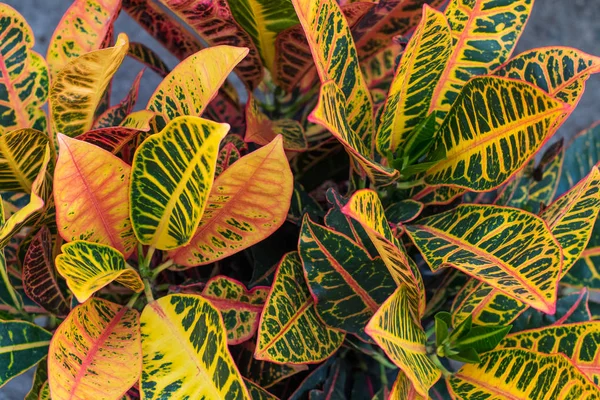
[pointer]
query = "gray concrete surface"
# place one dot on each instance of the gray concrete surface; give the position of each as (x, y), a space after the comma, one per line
(553, 22)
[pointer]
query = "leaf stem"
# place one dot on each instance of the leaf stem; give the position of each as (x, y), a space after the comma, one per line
(148, 290)
(132, 301)
(410, 184)
(160, 269)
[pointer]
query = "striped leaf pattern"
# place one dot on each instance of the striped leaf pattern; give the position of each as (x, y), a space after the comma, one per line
(90, 195)
(78, 88)
(171, 178)
(410, 91)
(521, 374)
(403, 389)
(186, 333)
(148, 57)
(495, 126)
(84, 27)
(365, 207)
(112, 139)
(394, 329)
(22, 345)
(190, 87)
(256, 392)
(484, 34)
(336, 59)
(249, 202)
(115, 115)
(263, 20)
(96, 352)
(88, 267)
(347, 284)
(582, 154)
(23, 75)
(39, 277)
(290, 314)
(507, 248)
(21, 156)
(333, 113)
(228, 155)
(239, 307)
(215, 24)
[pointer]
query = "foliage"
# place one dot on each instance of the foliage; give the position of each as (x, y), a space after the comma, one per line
(385, 215)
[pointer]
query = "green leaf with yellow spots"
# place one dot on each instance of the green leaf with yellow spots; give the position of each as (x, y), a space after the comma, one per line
(256, 392)
(86, 26)
(484, 34)
(239, 307)
(24, 78)
(79, 87)
(249, 201)
(21, 156)
(90, 195)
(347, 284)
(185, 355)
(365, 207)
(495, 126)
(509, 249)
(421, 66)
(171, 178)
(96, 352)
(521, 374)
(22, 345)
(88, 267)
(403, 389)
(191, 86)
(394, 329)
(290, 330)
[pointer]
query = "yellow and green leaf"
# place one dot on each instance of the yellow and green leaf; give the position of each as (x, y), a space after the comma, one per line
(403, 389)
(520, 375)
(96, 352)
(79, 87)
(22, 345)
(365, 207)
(495, 126)
(24, 77)
(484, 34)
(347, 284)
(148, 57)
(84, 27)
(239, 307)
(185, 353)
(112, 139)
(90, 195)
(171, 178)
(394, 329)
(583, 152)
(228, 155)
(190, 87)
(249, 201)
(21, 156)
(509, 249)
(88, 267)
(410, 92)
(256, 392)
(290, 314)
(116, 114)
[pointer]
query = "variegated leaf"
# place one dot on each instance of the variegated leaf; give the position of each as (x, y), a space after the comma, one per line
(256, 392)
(21, 156)
(290, 314)
(186, 333)
(112, 139)
(583, 152)
(171, 178)
(116, 114)
(90, 195)
(23, 75)
(249, 202)
(403, 389)
(148, 57)
(88, 267)
(95, 353)
(507, 248)
(40, 380)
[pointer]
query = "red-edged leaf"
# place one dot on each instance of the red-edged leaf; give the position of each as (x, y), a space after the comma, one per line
(116, 114)
(111, 139)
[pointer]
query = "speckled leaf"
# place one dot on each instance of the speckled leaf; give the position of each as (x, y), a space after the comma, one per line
(21, 156)
(186, 333)
(239, 307)
(117, 113)
(249, 202)
(88, 267)
(171, 178)
(347, 284)
(290, 330)
(394, 329)
(78, 88)
(22, 345)
(23, 75)
(95, 353)
(148, 57)
(507, 248)
(507, 133)
(90, 195)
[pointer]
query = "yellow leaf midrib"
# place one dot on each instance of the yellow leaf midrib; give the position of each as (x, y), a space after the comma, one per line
(23, 346)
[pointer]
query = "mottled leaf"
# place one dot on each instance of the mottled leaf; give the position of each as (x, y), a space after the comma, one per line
(21, 156)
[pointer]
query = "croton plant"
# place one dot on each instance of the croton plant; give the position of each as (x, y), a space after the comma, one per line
(376, 210)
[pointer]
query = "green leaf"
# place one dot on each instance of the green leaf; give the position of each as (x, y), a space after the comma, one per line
(583, 152)
(467, 355)
(40, 379)
(482, 338)
(441, 330)
(462, 330)
(403, 211)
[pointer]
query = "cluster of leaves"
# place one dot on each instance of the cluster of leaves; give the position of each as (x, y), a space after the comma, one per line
(371, 223)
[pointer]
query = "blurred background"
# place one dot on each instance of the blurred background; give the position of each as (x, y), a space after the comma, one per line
(574, 23)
